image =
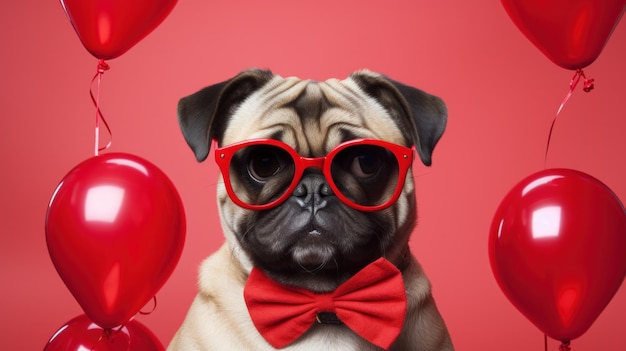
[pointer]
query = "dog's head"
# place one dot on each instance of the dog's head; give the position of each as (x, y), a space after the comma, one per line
(317, 180)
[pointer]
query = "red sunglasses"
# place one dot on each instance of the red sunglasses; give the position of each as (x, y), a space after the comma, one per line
(365, 174)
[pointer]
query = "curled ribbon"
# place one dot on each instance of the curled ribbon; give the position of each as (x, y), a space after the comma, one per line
(587, 87)
(154, 306)
(97, 79)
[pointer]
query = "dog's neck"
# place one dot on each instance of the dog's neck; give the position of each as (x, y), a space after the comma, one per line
(403, 260)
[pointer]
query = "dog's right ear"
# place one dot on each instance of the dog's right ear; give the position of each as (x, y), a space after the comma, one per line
(203, 115)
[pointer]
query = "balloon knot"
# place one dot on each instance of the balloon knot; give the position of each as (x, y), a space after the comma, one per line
(107, 333)
(587, 82)
(102, 66)
(564, 346)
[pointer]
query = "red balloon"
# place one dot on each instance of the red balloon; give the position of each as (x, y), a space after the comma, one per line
(557, 248)
(115, 229)
(108, 28)
(571, 33)
(81, 334)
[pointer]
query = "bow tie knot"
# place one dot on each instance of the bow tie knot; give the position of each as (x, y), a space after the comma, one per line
(372, 303)
(325, 303)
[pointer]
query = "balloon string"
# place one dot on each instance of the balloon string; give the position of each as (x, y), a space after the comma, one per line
(154, 306)
(97, 78)
(545, 342)
(587, 87)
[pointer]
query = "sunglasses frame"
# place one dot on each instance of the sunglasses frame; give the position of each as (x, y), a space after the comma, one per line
(404, 156)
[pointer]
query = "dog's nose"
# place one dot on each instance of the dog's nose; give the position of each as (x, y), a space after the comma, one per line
(312, 192)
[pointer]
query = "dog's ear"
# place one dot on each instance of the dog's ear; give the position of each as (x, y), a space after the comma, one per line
(203, 115)
(421, 116)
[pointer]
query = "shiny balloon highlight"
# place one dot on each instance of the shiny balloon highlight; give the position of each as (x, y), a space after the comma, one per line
(115, 230)
(557, 247)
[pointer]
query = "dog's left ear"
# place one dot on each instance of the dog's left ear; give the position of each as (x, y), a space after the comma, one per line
(421, 116)
(203, 115)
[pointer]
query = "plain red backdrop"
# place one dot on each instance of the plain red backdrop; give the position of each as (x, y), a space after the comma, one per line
(502, 95)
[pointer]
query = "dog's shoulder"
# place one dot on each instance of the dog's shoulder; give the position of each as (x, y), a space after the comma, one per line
(221, 271)
(218, 318)
(416, 282)
(424, 328)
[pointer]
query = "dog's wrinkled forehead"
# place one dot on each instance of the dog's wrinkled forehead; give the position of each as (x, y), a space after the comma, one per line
(310, 116)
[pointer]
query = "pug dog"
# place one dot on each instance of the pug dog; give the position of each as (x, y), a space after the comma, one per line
(316, 185)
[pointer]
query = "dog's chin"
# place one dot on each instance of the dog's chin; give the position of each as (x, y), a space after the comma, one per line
(317, 252)
(313, 252)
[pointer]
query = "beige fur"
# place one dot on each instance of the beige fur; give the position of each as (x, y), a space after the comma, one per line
(218, 318)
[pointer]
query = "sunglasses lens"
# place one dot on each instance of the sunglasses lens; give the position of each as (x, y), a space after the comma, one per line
(365, 174)
(260, 174)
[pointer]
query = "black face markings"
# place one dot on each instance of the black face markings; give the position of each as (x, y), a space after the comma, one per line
(277, 135)
(310, 105)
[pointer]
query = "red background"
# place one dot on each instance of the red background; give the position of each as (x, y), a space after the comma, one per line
(502, 95)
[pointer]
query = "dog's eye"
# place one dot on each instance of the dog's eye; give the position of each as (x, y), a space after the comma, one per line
(263, 164)
(366, 164)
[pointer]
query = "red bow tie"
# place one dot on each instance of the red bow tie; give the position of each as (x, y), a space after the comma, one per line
(372, 303)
